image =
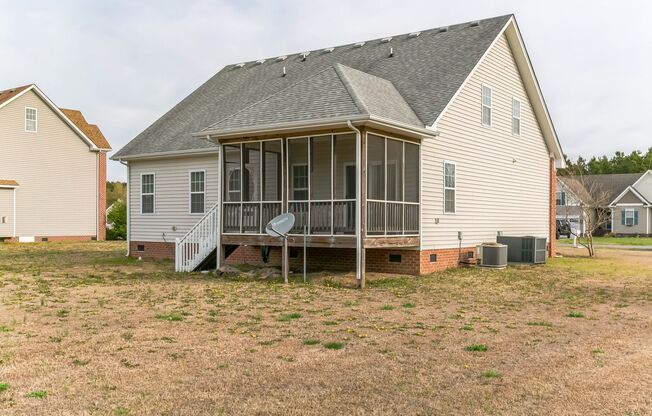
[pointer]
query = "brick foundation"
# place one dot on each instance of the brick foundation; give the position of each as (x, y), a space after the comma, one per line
(412, 262)
(151, 250)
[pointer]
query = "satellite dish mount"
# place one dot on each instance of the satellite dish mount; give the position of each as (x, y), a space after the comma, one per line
(280, 226)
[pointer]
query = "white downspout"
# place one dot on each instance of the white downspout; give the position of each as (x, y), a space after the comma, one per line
(128, 207)
(358, 195)
(14, 218)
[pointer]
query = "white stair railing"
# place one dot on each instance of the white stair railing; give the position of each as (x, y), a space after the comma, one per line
(198, 243)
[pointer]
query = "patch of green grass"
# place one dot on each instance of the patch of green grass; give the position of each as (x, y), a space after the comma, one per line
(37, 394)
(289, 317)
(170, 317)
(492, 374)
(476, 347)
(4, 387)
(121, 411)
(63, 313)
(334, 345)
(386, 308)
(6, 328)
(466, 328)
(575, 314)
(540, 323)
(620, 241)
(311, 341)
(169, 340)
(409, 305)
(597, 351)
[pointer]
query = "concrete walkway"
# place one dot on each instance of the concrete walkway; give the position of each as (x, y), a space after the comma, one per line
(616, 246)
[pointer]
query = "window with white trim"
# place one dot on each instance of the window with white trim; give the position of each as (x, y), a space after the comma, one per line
(486, 105)
(561, 198)
(449, 188)
(197, 192)
(630, 217)
(147, 193)
(300, 182)
(516, 117)
(30, 119)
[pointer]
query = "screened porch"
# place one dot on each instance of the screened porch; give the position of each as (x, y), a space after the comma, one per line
(315, 179)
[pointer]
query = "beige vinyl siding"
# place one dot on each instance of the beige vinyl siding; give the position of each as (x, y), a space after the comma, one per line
(640, 228)
(502, 180)
(630, 198)
(55, 168)
(644, 186)
(171, 196)
(7, 210)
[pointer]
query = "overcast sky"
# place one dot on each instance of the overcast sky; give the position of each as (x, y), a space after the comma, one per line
(125, 63)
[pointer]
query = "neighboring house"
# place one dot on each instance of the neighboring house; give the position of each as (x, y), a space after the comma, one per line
(109, 226)
(433, 141)
(627, 197)
(52, 170)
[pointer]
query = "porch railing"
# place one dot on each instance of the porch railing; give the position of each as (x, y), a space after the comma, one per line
(392, 218)
(198, 243)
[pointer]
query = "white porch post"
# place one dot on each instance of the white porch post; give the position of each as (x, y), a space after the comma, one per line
(218, 222)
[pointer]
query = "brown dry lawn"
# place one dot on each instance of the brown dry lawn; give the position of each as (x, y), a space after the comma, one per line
(96, 333)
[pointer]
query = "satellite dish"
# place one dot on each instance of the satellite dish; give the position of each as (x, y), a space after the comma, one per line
(281, 225)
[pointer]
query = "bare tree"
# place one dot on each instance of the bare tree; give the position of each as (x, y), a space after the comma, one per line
(591, 205)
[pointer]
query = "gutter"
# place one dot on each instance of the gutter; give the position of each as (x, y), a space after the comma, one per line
(316, 124)
(128, 207)
(172, 153)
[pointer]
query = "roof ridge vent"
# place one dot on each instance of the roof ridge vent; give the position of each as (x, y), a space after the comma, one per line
(475, 24)
(329, 50)
(443, 29)
(414, 34)
(386, 40)
(359, 44)
(304, 55)
(282, 58)
(240, 65)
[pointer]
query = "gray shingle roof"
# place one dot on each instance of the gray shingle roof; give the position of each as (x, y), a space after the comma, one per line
(609, 185)
(425, 71)
(336, 91)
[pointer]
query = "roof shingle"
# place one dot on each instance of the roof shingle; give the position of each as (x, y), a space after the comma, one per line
(425, 70)
(90, 130)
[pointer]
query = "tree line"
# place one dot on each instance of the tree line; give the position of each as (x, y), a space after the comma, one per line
(635, 162)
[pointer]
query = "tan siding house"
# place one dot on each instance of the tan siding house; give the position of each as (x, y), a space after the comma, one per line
(58, 165)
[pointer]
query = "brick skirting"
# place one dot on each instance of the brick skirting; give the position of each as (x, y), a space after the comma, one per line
(405, 261)
(151, 249)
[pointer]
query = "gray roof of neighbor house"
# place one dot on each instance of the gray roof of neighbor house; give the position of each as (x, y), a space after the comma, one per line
(607, 186)
(424, 72)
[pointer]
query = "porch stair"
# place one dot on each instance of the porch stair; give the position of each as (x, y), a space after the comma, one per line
(193, 249)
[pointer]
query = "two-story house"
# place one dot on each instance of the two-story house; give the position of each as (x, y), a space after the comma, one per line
(52, 170)
(398, 154)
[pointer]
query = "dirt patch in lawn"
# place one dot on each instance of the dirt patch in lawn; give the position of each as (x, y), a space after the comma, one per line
(83, 330)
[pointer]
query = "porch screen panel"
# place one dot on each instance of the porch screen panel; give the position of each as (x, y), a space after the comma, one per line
(298, 182)
(232, 177)
(320, 185)
(411, 172)
(394, 170)
(344, 184)
(375, 167)
(272, 170)
(344, 166)
(251, 173)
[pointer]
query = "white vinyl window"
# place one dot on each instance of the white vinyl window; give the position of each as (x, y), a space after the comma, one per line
(486, 105)
(300, 182)
(630, 217)
(449, 188)
(197, 192)
(516, 117)
(147, 193)
(30, 119)
(561, 198)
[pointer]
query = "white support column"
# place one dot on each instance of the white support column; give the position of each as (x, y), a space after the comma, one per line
(14, 216)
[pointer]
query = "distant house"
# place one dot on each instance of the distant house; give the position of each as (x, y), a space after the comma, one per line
(398, 154)
(52, 170)
(628, 199)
